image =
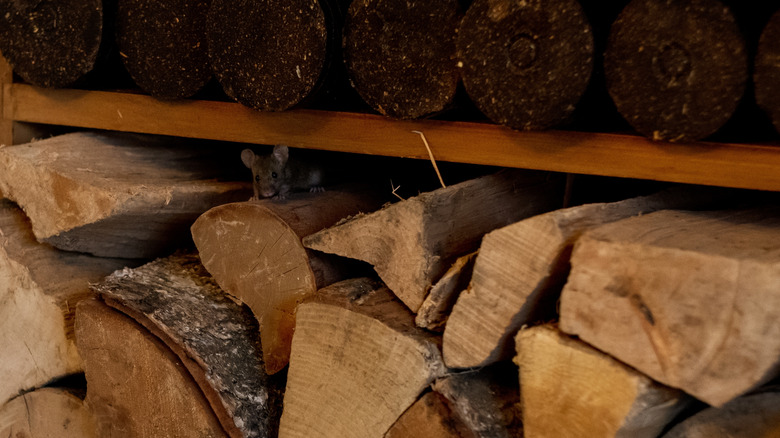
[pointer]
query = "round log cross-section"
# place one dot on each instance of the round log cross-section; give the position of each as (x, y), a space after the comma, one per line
(401, 55)
(270, 54)
(526, 64)
(163, 45)
(51, 43)
(766, 75)
(676, 69)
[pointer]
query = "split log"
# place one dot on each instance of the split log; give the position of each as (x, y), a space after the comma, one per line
(163, 45)
(755, 415)
(54, 43)
(136, 385)
(401, 56)
(254, 251)
(486, 400)
(47, 412)
(270, 55)
(665, 75)
(766, 70)
(570, 389)
(521, 269)
(429, 417)
(436, 308)
(39, 290)
(412, 243)
(115, 195)
(214, 338)
(690, 299)
(525, 64)
(357, 363)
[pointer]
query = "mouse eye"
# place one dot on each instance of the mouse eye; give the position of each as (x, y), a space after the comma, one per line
(273, 175)
(257, 178)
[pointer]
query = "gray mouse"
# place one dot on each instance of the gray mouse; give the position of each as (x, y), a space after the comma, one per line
(278, 174)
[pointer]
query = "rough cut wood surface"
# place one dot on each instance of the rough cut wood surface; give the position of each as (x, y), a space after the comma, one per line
(525, 63)
(429, 417)
(357, 363)
(39, 290)
(521, 268)
(571, 390)
(665, 75)
(136, 386)
(400, 55)
(436, 308)
(216, 339)
(750, 416)
(412, 243)
(254, 251)
(117, 195)
(690, 299)
(47, 412)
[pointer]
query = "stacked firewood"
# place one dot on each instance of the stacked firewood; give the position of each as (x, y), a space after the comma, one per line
(480, 309)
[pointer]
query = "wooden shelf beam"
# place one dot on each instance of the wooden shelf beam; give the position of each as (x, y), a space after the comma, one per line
(730, 165)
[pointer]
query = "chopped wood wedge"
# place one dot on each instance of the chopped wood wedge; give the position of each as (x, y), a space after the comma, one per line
(437, 306)
(357, 363)
(39, 290)
(47, 412)
(688, 298)
(429, 417)
(116, 195)
(570, 389)
(412, 243)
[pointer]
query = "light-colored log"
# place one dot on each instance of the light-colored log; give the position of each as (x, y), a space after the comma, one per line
(571, 390)
(357, 363)
(47, 412)
(254, 251)
(429, 417)
(521, 268)
(436, 308)
(412, 243)
(690, 299)
(210, 335)
(116, 195)
(750, 416)
(39, 290)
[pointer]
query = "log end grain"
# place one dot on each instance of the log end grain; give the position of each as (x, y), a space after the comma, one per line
(526, 64)
(766, 75)
(401, 55)
(665, 75)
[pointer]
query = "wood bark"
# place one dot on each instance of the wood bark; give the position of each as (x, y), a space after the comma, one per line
(39, 290)
(412, 243)
(570, 389)
(271, 55)
(687, 298)
(429, 417)
(115, 195)
(522, 267)
(213, 337)
(47, 412)
(52, 43)
(357, 363)
(163, 45)
(436, 308)
(525, 64)
(766, 70)
(254, 251)
(401, 55)
(755, 415)
(136, 386)
(665, 75)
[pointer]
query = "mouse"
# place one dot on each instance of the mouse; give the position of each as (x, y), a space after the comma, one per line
(278, 174)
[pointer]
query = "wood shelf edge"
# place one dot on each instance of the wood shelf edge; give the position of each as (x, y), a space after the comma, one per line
(730, 165)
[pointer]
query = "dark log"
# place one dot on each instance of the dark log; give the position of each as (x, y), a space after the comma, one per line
(766, 74)
(525, 64)
(271, 54)
(54, 43)
(676, 70)
(163, 45)
(401, 56)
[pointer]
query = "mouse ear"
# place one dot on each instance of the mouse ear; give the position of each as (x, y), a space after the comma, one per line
(281, 153)
(248, 157)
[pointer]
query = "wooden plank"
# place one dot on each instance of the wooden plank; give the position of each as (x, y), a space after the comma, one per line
(746, 166)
